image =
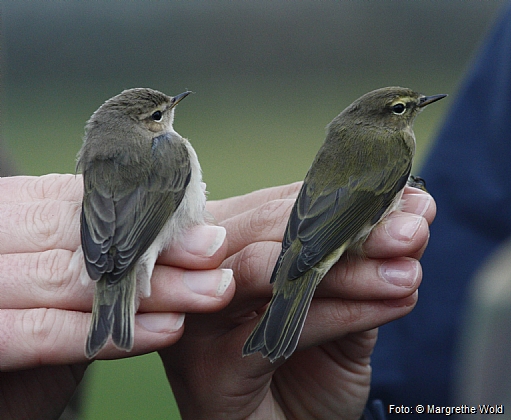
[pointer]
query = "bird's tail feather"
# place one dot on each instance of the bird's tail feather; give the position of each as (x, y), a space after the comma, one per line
(113, 314)
(280, 327)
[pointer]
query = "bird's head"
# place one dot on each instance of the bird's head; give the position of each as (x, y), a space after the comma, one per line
(152, 109)
(392, 107)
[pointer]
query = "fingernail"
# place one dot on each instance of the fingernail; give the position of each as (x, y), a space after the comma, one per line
(161, 322)
(204, 240)
(403, 227)
(402, 273)
(418, 203)
(208, 282)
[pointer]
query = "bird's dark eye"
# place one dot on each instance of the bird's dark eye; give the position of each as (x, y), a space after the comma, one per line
(156, 116)
(399, 108)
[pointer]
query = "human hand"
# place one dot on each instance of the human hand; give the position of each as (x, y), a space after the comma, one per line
(329, 374)
(45, 310)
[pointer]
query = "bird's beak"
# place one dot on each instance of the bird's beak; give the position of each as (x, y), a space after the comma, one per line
(426, 100)
(176, 99)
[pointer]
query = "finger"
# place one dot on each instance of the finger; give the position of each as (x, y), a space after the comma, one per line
(50, 280)
(43, 279)
(419, 202)
(48, 224)
(224, 209)
(399, 234)
(36, 337)
(200, 247)
(331, 319)
(352, 277)
(356, 279)
(252, 268)
(407, 235)
(371, 279)
(189, 290)
(64, 187)
(266, 222)
(39, 226)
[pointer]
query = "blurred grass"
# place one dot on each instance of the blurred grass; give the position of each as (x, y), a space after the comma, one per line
(134, 388)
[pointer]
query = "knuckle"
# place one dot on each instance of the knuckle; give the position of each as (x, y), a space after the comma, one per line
(31, 278)
(25, 334)
(42, 328)
(45, 221)
(345, 274)
(39, 219)
(50, 270)
(345, 315)
(53, 186)
(39, 323)
(270, 215)
(250, 260)
(242, 266)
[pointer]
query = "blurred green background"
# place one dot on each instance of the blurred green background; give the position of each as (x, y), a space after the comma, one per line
(268, 77)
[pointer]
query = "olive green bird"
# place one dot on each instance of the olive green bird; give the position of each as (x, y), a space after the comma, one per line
(356, 179)
(142, 189)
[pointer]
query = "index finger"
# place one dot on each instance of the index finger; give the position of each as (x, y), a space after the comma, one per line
(233, 206)
(22, 189)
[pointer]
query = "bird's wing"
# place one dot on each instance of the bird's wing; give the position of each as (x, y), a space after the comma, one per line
(125, 206)
(341, 210)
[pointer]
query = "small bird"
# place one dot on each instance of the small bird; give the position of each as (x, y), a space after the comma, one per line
(356, 179)
(142, 188)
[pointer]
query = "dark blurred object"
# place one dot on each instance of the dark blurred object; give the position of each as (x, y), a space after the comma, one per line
(484, 368)
(74, 410)
(469, 174)
(374, 411)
